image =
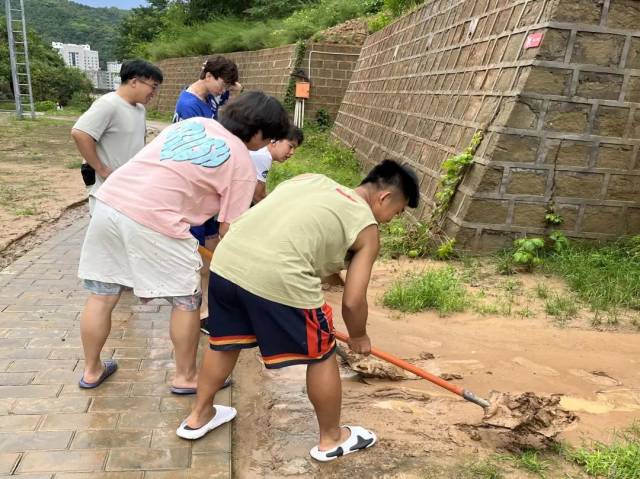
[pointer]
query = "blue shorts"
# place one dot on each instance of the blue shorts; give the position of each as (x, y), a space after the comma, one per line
(209, 228)
(285, 335)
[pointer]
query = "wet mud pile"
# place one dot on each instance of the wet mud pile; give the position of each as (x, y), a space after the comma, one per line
(372, 367)
(521, 421)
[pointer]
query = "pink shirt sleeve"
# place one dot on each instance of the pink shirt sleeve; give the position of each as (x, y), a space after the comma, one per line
(236, 199)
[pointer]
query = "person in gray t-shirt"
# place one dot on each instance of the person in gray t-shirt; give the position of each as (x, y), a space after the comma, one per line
(113, 130)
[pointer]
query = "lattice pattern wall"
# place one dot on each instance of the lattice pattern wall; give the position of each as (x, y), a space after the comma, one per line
(562, 120)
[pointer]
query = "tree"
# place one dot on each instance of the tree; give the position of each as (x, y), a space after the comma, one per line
(51, 79)
(141, 26)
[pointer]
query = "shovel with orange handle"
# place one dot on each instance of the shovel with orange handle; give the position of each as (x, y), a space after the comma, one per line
(465, 393)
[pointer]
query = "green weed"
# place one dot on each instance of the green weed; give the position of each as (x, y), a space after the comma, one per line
(525, 313)
(505, 264)
(73, 164)
(605, 276)
(29, 211)
(485, 470)
(403, 237)
(542, 291)
(618, 460)
(563, 308)
(437, 289)
(530, 461)
(159, 115)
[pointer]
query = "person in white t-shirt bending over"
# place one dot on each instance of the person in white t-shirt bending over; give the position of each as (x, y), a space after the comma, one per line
(279, 151)
(113, 130)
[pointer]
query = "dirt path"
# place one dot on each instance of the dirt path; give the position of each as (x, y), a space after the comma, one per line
(419, 425)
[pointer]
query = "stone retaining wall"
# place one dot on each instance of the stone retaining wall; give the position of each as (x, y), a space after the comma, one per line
(561, 120)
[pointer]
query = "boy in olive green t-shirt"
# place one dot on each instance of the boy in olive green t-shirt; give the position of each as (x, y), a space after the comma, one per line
(265, 290)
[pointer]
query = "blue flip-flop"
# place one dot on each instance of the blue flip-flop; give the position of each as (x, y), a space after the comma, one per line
(186, 391)
(110, 367)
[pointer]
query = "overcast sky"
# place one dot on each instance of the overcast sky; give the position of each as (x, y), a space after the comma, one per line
(112, 3)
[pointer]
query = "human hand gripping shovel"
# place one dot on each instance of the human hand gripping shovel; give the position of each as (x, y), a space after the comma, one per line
(465, 393)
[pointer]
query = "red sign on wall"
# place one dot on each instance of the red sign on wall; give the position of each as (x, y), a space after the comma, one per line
(533, 40)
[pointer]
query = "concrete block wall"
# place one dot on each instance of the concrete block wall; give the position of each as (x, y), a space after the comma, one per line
(330, 67)
(561, 120)
(267, 70)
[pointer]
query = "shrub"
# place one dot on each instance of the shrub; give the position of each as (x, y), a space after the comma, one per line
(81, 101)
(46, 105)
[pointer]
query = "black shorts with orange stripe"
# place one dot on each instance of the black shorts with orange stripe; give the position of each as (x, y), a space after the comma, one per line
(285, 335)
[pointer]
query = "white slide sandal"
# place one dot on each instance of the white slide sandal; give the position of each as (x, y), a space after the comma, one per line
(223, 415)
(359, 439)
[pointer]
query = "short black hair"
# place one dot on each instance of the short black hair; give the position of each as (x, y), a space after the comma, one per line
(392, 173)
(220, 67)
(254, 111)
(295, 134)
(139, 68)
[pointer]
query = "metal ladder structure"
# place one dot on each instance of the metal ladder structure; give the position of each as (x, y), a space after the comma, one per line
(19, 57)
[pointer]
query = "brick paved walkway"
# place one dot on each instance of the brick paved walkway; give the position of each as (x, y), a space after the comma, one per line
(124, 429)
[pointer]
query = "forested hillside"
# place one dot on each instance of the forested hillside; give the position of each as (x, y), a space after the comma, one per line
(70, 22)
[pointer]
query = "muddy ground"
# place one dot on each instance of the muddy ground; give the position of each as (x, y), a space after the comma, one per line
(39, 175)
(424, 430)
(41, 189)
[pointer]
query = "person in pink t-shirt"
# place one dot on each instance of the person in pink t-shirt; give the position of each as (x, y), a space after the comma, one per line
(138, 236)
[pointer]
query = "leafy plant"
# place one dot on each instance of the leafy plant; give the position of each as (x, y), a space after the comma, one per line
(528, 252)
(454, 168)
(559, 242)
(403, 237)
(552, 218)
(289, 101)
(445, 250)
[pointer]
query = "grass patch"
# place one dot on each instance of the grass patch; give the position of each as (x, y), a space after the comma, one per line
(563, 308)
(485, 469)
(618, 460)
(159, 116)
(318, 154)
(73, 164)
(605, 276)
(231, 34)
(530, 461)
(542, 291)
(437, 289)
(29, 211)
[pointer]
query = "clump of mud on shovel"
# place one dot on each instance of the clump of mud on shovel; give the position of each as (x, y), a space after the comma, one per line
(521, 421)
(372, 367)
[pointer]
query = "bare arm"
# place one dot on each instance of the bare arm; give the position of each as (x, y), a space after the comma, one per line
(260, 193)
(87, 147)
(355, 309)
(224, 227)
